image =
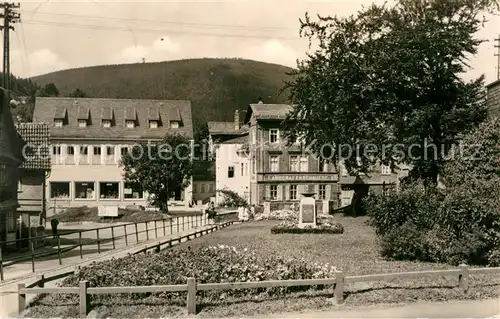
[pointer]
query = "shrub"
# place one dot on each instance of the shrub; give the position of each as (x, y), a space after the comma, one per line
(206, 264)
(281, 214)
(231, 199)
(325, 225)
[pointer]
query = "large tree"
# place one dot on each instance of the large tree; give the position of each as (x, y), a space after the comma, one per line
(160, 168)
(78, 93)
(49, 89)
(388, 81)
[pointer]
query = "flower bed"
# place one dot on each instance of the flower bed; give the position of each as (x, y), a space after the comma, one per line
(325, 225)
(214, 264)
(282, 214)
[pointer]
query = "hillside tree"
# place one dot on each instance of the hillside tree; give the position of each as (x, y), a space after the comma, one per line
(387, 79)
(78, 93)
(159, 168)
(48, 90)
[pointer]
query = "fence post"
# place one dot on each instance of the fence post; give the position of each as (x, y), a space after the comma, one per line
(80, 244)
(171, 226)
(177, 220)
(156, 229)
(84, 299)
(163, 222)
(98, 242)
(113, 236)
(125, 231)
(463, 278)
(183, 224)
(21, 298)
(32, 248)
(147, 232)
(59, 248)
(339, 287)
(1, 264)
(41, 282)
(136, 233)
(191, 296)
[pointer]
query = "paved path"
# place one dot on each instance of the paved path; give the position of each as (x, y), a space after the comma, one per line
(21, 272)
(452, 309)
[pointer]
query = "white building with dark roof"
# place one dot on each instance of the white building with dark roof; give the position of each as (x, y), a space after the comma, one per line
(88, 137)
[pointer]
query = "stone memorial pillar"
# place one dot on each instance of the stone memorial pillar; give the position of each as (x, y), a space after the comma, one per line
(307, 210)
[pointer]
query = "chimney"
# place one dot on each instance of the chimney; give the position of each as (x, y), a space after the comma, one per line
(237, 120)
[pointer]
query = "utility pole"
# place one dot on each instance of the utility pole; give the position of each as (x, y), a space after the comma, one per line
(498, 56)
(10, 16)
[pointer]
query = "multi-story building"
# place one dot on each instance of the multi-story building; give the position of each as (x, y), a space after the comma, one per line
(493, 99)
(88, 137)
(280, 173)
(33, 173)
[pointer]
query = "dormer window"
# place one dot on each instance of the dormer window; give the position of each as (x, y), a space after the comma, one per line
(153, 124)
(106, 123)
(58, 123)
(82, 123)
(174, 124)
(130, 124)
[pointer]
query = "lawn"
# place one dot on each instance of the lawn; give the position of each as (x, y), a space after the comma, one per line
(355, 252)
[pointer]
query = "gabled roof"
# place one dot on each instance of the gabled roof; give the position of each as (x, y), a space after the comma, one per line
(107, 113)
(122, 109)
(262, 111)
(10, 142)
(225, 128)
(237, 140)
(60, 113)
(83, 112)
(36, 153)
(153, 114)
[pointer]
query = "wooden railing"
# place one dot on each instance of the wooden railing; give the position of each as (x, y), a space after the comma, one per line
(175, 224)
(191, 286)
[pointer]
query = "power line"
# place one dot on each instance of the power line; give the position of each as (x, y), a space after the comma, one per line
(176, 23)
(110, 28)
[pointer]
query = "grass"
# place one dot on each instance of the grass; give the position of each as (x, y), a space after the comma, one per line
(90, 214)
(355, 252)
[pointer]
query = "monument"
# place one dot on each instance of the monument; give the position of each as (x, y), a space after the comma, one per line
(307, 210)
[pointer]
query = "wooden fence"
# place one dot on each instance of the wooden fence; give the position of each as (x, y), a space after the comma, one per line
(181, 224)
(191, 286)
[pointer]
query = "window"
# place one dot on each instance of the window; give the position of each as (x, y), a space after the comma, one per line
(4, 174)
(70, 150)
(386, 190)
(106, 123)
(130, 124)
(109, 190)
(123, 150)
(82, 123)
(153, 124)
(322, 165)
(346, 194)
(294, 164)
(174, 124)
(84, 150)
(230, 172)
(274, 136)
(133, 191)
(322, 192)
(254, 167)
(59, 190)
(56, 150)
(242, 169)
(386, 170)
(97, 150)
(246, 169)
(110, 150)
(84, 190)
(58, 123)
(274, 163)
(304, 163)
(293, 192)
(273, 192)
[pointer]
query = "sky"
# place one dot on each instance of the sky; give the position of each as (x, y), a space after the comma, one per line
(56, 35)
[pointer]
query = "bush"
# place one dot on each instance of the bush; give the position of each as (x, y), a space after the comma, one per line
(207, 264)
(281, 214)
(232, 199)
(325, 225)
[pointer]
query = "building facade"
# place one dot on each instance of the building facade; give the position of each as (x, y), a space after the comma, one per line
(232, 168)
(493, 98)
(88, 137)
(33, 173)
(281, 173)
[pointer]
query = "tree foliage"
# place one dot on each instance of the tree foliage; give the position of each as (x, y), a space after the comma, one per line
(390, 76)
(49, 89)
(160, 168)
(78, 93)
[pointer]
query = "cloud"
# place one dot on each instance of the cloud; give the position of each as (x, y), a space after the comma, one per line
(39, 62)
(163, 48)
